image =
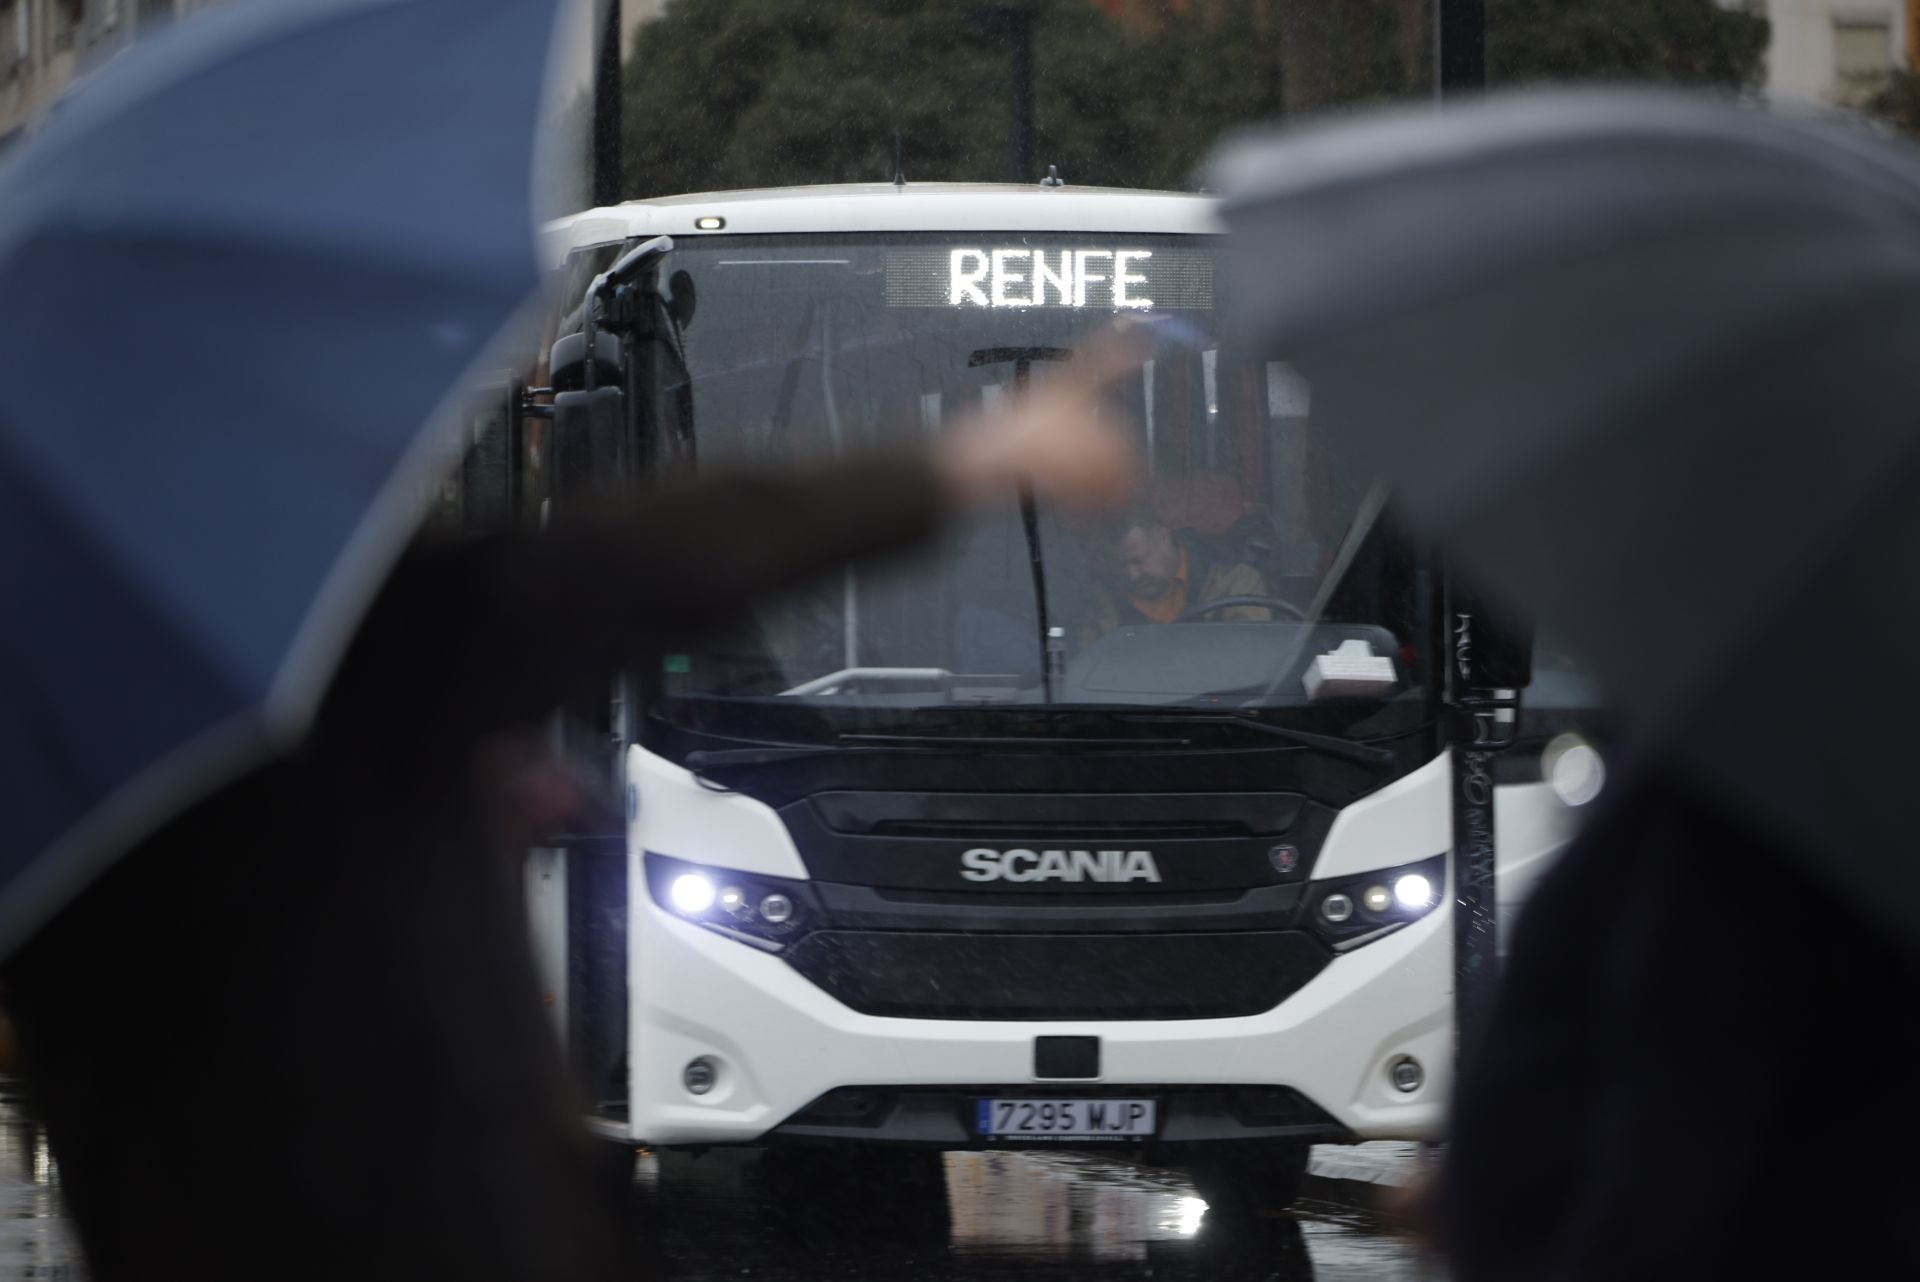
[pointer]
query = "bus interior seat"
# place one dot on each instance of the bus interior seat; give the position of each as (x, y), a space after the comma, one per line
(1207, 502)
(1212, 503)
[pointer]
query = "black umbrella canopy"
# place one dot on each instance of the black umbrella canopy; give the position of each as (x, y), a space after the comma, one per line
(1651, 365)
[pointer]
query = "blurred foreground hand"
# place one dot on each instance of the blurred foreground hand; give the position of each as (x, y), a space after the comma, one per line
(1060, 438)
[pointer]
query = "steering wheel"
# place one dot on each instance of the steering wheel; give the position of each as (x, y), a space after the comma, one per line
(1191, 613)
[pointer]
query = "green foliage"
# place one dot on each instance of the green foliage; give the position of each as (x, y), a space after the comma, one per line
(1687, 42)
(1895, 101)
(1336, 53)
(728, 93)
(754, 93)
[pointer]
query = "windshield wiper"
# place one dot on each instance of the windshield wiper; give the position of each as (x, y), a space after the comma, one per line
(1022, 359)
(1346, 749)
(1030, 522)
(702, 762)
(702, 759)
(1012, 741)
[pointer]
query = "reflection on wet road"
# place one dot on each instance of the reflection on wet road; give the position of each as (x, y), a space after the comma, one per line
(34, 1240)
(1001, 1216)
(815, 1217)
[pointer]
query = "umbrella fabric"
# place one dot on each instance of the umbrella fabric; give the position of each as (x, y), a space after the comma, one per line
(1645, 362)
(243, 266)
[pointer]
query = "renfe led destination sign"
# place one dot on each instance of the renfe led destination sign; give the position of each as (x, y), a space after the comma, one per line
(1039, 278)
(1107, 278)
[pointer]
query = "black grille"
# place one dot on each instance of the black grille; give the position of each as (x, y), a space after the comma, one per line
(972, 976)
(1041, 817)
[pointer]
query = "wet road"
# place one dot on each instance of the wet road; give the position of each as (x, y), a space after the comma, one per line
(34, 1241)
(1002, 1216)
(998, 1216)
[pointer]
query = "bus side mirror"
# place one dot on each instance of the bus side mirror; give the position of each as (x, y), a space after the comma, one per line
(586, 444)
(567, 361)
(682, 299)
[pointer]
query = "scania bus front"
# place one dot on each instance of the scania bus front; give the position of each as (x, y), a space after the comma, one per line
(1127, 833)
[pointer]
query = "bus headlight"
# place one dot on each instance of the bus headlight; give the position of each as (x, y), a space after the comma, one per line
(1347, 912)
(768, 912)
(692, 894)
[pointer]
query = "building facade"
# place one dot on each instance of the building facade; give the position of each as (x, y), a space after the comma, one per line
(45, 43)
(1833, 51)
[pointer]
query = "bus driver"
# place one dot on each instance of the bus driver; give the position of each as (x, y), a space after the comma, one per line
(1167, 572)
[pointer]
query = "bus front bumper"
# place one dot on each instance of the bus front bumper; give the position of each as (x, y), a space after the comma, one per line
(783, 1059)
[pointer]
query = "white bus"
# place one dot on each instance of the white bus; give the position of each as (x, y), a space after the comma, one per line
(991, 848)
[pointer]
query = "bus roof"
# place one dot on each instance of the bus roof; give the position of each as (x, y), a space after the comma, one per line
(888, 207)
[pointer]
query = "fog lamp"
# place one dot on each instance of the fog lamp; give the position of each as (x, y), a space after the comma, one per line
(700, 1075)
(692, 894)
(1407, 1075)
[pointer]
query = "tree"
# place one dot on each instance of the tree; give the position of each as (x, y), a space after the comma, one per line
(751, 93)
(1895, 101)
(1685, 42)
(724, 93)
(1336, 53)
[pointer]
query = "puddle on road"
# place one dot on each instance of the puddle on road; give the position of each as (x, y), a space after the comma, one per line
(1002, 1200)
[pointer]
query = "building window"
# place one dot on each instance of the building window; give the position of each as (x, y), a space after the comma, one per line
(1861, 51)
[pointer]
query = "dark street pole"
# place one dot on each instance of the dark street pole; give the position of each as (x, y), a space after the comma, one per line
(607, 180)
(1484, 663)
(1487, 657)
(1019, 28)
(1459, 47)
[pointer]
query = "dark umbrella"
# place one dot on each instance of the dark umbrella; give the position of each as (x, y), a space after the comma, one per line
(242, 267)
(1652, 364)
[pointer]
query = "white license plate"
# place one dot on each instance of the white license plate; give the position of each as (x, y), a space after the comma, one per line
(1063, 1119)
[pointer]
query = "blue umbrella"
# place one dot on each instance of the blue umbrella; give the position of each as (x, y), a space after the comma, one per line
(244, 268)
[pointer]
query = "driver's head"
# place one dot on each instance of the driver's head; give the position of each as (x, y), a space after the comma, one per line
(1147, 553)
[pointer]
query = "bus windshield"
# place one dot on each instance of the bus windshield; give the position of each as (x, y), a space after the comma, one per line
(1245, 561)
